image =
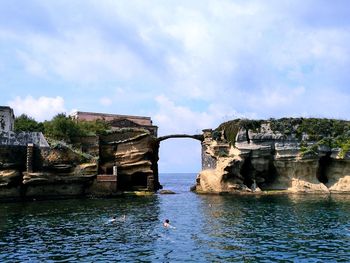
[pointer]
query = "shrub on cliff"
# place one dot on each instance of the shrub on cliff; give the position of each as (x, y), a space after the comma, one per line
(62, 127)
(231, 128)
(24, 123)
(331, 133)
(96, 127)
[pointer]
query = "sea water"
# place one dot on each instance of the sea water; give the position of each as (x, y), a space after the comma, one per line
(207, 228)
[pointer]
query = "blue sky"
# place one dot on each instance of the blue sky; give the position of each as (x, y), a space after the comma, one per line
(189, 65)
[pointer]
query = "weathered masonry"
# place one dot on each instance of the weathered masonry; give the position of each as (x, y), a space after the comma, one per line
(6, 119)
(118, 121)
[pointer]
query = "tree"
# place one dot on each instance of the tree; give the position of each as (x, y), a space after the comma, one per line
(62, 127)
(24, 123)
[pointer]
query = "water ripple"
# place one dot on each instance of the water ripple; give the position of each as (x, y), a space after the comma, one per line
(208, 229)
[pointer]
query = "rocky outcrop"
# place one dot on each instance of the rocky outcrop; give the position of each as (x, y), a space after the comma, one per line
(57, 172)
(291, 155)
(134, 153)
(120, 160)
(95, 158)
(12, 163)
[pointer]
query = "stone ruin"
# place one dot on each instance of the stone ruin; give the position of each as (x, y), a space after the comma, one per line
(7, 119)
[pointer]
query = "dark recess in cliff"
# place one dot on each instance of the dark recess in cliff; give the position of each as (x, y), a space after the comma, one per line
(323, 164)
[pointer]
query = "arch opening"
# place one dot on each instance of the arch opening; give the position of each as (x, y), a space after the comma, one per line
(179, 162)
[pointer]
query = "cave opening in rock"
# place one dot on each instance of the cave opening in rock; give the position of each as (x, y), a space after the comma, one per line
(266, 178)
(247, 172)
(247, 135)
(323, 165)
(136, 181)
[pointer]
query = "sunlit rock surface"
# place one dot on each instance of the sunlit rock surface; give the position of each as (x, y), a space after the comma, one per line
(289, 155)
(122, 160)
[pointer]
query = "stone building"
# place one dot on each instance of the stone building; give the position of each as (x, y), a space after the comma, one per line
(10, 138)
(118, 121)
(7, 119)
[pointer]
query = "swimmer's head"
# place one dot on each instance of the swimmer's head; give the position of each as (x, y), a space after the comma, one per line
(167, 221)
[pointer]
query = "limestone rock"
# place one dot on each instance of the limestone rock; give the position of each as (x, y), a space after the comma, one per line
(338, 175)
(10, 177)
(135, 156)
(255, 156)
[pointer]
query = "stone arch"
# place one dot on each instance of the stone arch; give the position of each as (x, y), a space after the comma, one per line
(198, 137)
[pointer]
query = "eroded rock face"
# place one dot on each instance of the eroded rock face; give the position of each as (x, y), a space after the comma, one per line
(263, 158)
(121, 160)
(59, 172)
(338, 175)
(12, 160)
(10, 177)
(135, 155)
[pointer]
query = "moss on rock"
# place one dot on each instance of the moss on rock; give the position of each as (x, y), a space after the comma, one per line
(331, 133)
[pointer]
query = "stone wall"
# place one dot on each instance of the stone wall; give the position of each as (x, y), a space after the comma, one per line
(23, 138)
(6, 119)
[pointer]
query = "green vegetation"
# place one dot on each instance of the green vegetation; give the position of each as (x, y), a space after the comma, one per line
(62, 127)
(321, 132)
(286, 126)
(344, 149)
(231, 128)
(26, 123)
(309, 150)
(327, 132)
(84, 157)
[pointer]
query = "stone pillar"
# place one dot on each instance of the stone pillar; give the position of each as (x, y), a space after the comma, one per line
(115, 173)
(207, 133)
(150, 183)
(208, 162)
(30, 153)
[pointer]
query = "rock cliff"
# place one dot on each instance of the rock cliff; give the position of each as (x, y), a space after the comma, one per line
(292, 154)
(134, 152)
(120, 160)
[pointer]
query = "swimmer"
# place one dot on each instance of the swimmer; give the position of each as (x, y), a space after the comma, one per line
(113, 219)
(166, 223)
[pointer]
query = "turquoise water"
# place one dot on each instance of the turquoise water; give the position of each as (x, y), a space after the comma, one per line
(209, 228)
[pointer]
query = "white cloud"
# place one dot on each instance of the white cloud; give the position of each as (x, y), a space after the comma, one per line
(42, 108)
(277, 98)
(172, 118)
(82, 57)
(32, 65)
(212, 60)
(105, 101)
(221, 52)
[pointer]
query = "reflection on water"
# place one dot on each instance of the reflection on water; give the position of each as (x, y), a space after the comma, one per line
(209, 228)
(77, 229)
(279, 227)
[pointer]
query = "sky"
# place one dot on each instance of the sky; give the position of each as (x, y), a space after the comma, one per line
(189, 65)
